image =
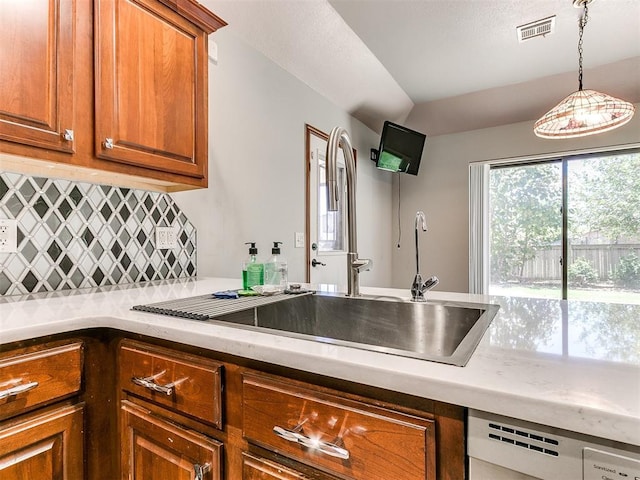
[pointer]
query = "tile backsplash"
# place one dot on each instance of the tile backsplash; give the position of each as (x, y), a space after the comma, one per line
(76, 235)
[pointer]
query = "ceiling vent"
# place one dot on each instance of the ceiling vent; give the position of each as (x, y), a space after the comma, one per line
(539, 28)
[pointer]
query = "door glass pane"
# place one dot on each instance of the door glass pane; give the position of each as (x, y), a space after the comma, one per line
(330, 224)
(526, 230)
(604, 228)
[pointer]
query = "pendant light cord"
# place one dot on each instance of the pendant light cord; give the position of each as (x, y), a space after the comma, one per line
(583, 23)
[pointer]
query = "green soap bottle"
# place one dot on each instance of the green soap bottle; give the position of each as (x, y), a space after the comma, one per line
(252, 270)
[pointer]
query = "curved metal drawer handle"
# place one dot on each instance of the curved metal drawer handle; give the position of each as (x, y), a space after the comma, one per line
(9, 392)
(201, 470)
(150, 383)
(327, 448)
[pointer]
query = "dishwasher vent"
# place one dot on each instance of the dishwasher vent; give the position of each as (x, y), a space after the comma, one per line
(539, 28)
(523, 439)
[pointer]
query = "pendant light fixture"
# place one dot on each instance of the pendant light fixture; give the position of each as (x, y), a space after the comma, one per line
(584, 112)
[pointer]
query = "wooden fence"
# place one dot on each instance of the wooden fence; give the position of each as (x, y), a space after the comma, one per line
(603, 258)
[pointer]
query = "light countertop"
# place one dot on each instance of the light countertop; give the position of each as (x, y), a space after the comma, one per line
(573, 365)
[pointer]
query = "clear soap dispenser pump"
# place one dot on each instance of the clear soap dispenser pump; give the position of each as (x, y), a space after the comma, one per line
(276, 269)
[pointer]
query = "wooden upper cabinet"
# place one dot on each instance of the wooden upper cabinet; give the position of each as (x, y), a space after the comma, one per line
(37, 73)
(116, 88)
(151, 84)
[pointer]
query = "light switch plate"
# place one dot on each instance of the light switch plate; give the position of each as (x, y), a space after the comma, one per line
(8, 235)
(299, 240)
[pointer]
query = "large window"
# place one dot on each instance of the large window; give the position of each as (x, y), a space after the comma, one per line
(566, 228)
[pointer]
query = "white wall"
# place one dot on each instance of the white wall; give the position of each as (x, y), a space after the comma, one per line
(441, 191)
(257, 116)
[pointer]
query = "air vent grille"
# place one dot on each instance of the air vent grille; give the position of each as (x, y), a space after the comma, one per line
(524, 439)
(539, 28)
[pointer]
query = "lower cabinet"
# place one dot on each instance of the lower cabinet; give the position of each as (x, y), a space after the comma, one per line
(192, 414)
(153, 449)
(47, 446)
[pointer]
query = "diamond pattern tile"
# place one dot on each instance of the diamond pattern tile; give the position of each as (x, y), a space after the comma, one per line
(79, 235)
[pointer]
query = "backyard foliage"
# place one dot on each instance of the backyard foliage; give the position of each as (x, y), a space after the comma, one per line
(525, 213)
(604, 208)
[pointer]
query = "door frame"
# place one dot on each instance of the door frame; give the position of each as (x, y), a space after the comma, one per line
(308, 131)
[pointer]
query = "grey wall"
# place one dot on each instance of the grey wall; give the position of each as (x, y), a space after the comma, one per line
(441, 191)
(257, 179)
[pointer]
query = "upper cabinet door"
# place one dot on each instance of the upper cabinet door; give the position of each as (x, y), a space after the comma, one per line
(36, 73)
(151, 87)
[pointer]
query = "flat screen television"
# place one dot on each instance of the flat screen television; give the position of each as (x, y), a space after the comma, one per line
(400, 149)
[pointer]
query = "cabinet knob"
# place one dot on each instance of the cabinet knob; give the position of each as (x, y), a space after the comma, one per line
(68, 135)
(108, 143)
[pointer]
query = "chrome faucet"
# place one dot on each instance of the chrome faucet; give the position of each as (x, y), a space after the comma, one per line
(339, 138)
(419, 286)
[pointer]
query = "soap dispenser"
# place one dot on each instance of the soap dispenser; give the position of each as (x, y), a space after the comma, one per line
(252, 270)
(276, 269)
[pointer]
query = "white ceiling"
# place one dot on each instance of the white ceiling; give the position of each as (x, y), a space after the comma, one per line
(445, 65)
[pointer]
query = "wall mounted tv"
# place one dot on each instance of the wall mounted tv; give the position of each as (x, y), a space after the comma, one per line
(400, 149)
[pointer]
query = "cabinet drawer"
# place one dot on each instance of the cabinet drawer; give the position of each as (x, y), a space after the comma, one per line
(256, 468)
(350, 438)
(32, 379)
(184, 383)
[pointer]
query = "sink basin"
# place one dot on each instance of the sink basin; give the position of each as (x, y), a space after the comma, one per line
(446, 332)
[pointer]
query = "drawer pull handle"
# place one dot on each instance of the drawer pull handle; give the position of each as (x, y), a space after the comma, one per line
(150, 383)
(9, 392)
(201, 470)
(325, 447)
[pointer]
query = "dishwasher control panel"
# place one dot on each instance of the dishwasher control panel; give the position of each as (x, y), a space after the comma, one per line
(600, 465)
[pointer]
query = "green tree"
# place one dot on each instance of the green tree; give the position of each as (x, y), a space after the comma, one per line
(525, 215)
(605, 196)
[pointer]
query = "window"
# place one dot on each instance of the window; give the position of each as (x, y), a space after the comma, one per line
(563, 228)
(331, 232)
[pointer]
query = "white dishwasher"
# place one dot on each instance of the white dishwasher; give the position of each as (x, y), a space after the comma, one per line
(548, 453)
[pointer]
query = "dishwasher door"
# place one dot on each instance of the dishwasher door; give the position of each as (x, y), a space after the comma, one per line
(548, 453)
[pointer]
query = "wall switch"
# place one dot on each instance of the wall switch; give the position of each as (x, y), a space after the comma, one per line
(166, 238)
(8, 235)
(299, 240)
(213, 50)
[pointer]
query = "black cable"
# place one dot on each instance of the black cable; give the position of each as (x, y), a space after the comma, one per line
(399, 224)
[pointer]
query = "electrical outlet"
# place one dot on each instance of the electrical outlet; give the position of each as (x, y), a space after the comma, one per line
(8, 235)
(166, 238)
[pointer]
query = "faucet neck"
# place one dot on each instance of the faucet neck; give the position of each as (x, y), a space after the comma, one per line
(339, 138)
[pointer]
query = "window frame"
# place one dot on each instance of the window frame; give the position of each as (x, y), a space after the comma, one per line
(479, 205)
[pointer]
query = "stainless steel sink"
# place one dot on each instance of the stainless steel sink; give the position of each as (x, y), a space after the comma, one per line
(446, 332)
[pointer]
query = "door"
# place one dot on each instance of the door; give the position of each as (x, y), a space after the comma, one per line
(154, 449)
(326, 231)
(151, 102)
(47, 447)
(36, 73)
